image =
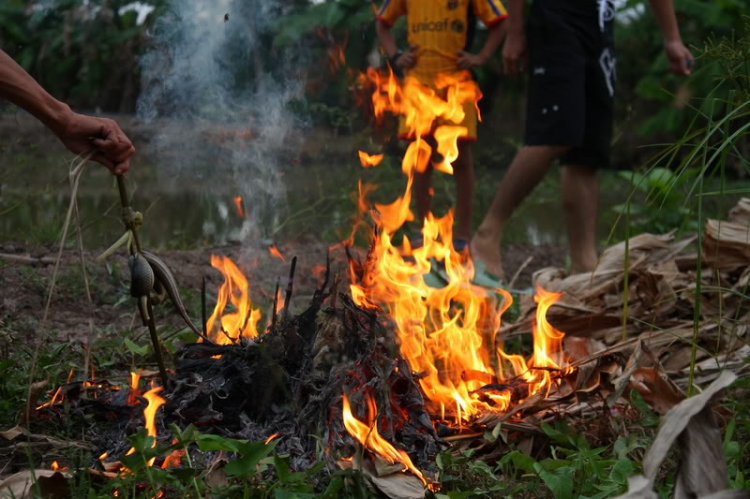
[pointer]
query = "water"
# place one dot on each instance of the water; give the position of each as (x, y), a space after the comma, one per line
(188, 212)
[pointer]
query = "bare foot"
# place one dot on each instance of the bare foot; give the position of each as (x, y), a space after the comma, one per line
(486, 249)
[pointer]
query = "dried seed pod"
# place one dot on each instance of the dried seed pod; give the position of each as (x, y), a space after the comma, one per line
(141, 276)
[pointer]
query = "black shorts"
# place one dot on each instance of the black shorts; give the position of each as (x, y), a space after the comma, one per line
(572, 79)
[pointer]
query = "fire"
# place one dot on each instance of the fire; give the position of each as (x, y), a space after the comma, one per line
(174, 457)
(369, 159)
(54, 400)
(239, 205)
(243, 322)
(448, 334)
(56, 466)
(270, 438)
(149, 416)
(367, 434)
(134, 380)
(276, 253)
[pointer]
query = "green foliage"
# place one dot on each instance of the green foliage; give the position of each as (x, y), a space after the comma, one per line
(663, 206)
(84, 52)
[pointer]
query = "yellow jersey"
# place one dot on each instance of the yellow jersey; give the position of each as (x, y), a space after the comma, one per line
(438, 28)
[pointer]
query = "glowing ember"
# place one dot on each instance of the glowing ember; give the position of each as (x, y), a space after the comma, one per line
(243, 322)
(239, 205)
(268, 440)
(103, 456)
(276, 253)
(174, 457)
(369, 159)
(448, 334)
(367, 434)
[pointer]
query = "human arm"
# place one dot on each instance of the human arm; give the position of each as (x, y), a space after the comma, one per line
(467, 60)
(406, 59)
(680, 58)
(514, 50)
(77, 132)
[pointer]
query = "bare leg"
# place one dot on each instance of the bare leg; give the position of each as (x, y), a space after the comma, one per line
(422, 194)
(463, 171)
(526, 170)
(580, 193)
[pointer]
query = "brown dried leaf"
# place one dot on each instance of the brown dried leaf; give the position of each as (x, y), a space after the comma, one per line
(399, 486)
(659, 392)
(726, 245)
(52, 485)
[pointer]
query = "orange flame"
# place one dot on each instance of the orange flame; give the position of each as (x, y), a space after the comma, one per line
(238, 204)
(134, 379)
(54, 400)
(276, 253)
(369, 159)
(56, 466)
(448, 334)
(149, 416)
(367, 434)
(228, 328)
(268, 440)
(174, 457)
(103, 456)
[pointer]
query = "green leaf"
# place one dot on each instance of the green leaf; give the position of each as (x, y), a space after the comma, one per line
(523, 462)
(559, 482)
(135, 349)
(620, 472)
(216, 442)
(251, 456)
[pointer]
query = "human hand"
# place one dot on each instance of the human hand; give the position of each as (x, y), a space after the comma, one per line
(680, 58)
(467, 60)
(112, 148)
(514, 53)
(408, 59)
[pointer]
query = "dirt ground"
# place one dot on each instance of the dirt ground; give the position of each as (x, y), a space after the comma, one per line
(24, 285)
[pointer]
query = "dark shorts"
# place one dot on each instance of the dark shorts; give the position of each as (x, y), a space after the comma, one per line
(572, 79)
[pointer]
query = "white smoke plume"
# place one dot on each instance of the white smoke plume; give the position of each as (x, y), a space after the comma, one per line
(219, 109)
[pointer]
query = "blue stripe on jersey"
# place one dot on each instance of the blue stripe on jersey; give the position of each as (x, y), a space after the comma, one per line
(385, 6)
(493, 6)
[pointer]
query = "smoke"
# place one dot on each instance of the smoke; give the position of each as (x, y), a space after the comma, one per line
(217, 94)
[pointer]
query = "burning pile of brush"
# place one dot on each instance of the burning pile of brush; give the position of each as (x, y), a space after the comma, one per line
(396, 366)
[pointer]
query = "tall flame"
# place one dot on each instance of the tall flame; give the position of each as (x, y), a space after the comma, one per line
(243, 321)
(149, 416)
(367, 434)
(448, 334)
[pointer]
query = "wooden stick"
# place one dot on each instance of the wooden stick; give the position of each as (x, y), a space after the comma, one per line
(275, 302)
(520, 269)
(289, 289)
(204, 315)
(156, 343)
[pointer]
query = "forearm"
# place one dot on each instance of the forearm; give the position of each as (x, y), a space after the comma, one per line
(515, 16)
(386, 38)
(664, 12)
(497, 33)
(20, 88)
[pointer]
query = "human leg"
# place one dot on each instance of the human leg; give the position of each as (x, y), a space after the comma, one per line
(463, 173)
(580, 194)
(526, 170)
